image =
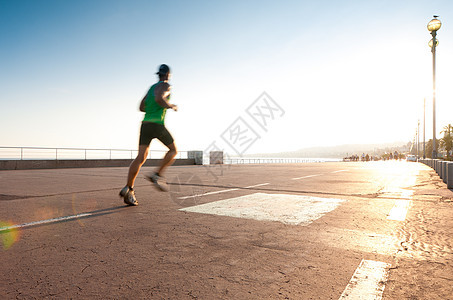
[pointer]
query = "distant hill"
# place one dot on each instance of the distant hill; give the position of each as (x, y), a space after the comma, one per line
(340, 151)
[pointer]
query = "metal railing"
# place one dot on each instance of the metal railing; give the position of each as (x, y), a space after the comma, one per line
(270, 160)
(43, 153)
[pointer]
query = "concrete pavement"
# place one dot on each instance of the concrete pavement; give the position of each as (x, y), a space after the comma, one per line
(283, 231)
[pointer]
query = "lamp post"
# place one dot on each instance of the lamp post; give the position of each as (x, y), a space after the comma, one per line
(418, 140)
(424, 125)
(433, 26)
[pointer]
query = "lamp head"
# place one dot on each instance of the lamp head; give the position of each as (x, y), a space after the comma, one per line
(434, 24)
(430, 43)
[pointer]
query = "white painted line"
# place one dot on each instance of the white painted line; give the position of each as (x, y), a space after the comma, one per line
(406, 194)
(399, 210)
(368, 281)
(288, 209)
(392, 192)
(206, 194)
(45, 221)
(339, 171)
(256, 185)
(306, 177)
(222, 191)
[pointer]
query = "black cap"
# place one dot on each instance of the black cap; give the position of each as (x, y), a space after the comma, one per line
(163, 69)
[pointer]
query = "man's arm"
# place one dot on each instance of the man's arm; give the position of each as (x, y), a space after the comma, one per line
(161, 93)
(142, 104)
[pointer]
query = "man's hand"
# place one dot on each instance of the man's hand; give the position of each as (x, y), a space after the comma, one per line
(174, 107)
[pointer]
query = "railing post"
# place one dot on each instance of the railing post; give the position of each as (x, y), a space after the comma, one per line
(56, 153)
(21, 153)
(85, 154)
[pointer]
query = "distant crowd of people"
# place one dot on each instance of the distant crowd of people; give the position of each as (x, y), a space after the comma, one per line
(366, 157)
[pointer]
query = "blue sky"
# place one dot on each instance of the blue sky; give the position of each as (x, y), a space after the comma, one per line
(73, 72)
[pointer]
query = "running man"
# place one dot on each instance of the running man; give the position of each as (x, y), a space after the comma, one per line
(154, 104)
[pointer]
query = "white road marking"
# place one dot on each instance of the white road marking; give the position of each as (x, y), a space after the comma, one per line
(306, 177)
(339, 171)
(206, 194)
(368, 281)
(45, 221)
(399, 193)
(399, 210)
(256, 185)
(358, 240)
(288, 209)
(406, 193)
(222, 191)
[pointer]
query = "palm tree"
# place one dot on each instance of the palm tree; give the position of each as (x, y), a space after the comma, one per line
(429, 148)
(447, 141)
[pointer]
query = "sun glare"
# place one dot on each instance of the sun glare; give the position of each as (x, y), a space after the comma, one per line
(8, 235)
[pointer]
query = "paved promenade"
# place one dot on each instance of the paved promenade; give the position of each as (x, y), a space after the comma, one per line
(275, 231)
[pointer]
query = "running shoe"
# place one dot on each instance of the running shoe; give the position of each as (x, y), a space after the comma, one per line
(158, 181)
(128, 195)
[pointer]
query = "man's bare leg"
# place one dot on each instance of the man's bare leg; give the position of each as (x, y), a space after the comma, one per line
(135, 166)
(169, 158)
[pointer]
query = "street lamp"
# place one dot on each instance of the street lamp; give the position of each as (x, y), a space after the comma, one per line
(424, 125)
(418, 140)
(433, 26)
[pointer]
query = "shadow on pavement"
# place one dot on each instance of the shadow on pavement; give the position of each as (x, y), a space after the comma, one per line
(259, 189)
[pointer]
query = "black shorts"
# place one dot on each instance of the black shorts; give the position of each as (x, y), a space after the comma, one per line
(150, 130)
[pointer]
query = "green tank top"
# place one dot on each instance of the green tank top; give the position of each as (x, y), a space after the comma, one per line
(153, 111)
